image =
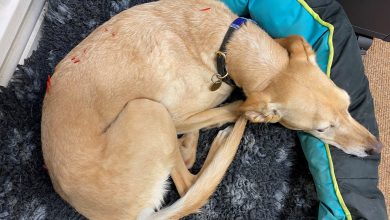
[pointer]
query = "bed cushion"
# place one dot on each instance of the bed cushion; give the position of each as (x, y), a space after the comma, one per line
(329, 32)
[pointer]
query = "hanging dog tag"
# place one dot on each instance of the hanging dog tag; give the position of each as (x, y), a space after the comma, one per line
(216, 85)
(217, 82)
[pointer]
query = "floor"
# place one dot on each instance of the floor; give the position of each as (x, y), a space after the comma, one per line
(377, 65)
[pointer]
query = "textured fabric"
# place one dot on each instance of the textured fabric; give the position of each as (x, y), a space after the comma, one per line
(268, 179)
(377, 65)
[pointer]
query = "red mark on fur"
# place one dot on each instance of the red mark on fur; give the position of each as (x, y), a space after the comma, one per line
(48, 83)
(44, 166)
(105, 29)
(75, 59)
(113, 34)
(205, 9)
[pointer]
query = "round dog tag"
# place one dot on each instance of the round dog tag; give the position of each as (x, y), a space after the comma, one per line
(216, 85)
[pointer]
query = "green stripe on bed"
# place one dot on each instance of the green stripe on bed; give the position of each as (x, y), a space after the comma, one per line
(281, 18)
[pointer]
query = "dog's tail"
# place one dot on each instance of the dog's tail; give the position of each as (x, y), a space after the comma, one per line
(208, 180)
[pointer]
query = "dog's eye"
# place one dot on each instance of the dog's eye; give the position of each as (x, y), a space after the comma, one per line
(322, 129)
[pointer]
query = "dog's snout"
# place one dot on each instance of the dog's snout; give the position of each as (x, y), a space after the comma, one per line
(376, 148)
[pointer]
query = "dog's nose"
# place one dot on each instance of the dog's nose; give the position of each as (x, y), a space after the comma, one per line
(376, 148)
(370, 151)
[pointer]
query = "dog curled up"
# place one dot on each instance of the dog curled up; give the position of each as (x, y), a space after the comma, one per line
(118, 100)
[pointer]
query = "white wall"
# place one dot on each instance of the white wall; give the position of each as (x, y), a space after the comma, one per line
(18, 33)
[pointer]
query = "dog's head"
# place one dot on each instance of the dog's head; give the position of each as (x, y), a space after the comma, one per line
(304, 98)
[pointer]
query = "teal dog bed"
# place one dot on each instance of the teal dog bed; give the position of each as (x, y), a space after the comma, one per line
(346, 186)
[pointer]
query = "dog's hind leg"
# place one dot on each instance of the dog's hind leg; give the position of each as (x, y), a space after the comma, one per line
(136, 155)
(182, 178)
(188, 145)
(208, 179)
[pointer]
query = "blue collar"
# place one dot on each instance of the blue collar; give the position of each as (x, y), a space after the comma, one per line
(236, 24)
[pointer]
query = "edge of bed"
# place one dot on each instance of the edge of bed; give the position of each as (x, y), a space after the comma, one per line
(296, 13)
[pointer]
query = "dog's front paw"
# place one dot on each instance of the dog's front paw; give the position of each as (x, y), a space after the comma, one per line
(254, 117)
(257, 117)
(222, 135)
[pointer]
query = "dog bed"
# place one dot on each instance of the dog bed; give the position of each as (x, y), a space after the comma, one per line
(345, 185)
(269, 178)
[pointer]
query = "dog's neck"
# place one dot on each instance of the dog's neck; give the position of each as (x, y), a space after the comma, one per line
(253, 58)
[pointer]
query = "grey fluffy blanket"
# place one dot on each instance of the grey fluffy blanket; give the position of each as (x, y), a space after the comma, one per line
(269, 178)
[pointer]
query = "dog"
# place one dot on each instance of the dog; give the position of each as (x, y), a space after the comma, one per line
(117, 101)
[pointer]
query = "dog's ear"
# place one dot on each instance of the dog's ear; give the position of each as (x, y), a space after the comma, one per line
(259, 109)
(298, 48)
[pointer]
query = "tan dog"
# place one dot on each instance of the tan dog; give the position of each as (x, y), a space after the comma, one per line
(118, 100)
(303, 98)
